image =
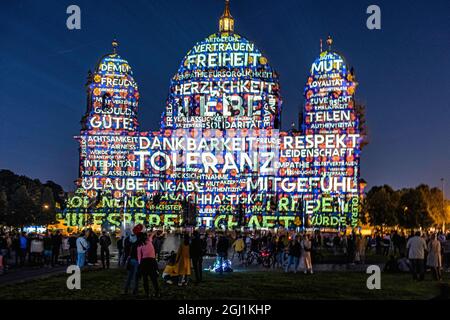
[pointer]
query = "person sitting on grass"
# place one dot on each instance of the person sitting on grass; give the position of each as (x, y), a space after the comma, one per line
(403, 264)
(170, 274)
(392, 265)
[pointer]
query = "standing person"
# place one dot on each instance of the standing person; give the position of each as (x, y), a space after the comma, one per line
(36, 250)
(148, 266)
(378, 241)
(351, 248)
(73, 248)
(23, 245)
(3, 253)
(6, 257)
(294, 250)
(222, 251)
(307, 247)
(434, 258)
(336, 244)
(15, 246)
(56, 247)
(248, 242)
(386, 243)
(196, 253)
(82, 248)
(131, 262)
(446, 252)
(416, 247)
(120, 250)
(279, 252)
(105, 242)
(209, 244)
(214, 243)
(66, 249)
(360, 246)
(47, 249)
(183, 261)
(93, 246)
(239, 246)
(402, 244)
(157, 243)
(395, 240)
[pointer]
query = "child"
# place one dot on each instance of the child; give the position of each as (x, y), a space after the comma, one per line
(170, 271)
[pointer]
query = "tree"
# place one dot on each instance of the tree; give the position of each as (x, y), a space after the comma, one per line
(3, 206)
(381, 205)
(25, 201)
(413, 210)
(47, 212)
(360, 110)
(22, 209)
(435, 207)
(58, 192)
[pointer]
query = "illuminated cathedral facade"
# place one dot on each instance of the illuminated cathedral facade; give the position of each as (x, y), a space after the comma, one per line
(220, 158)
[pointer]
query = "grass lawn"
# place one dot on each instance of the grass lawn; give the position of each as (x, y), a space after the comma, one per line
(107, 285)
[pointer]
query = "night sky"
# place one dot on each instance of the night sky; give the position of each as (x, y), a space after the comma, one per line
(403, 72)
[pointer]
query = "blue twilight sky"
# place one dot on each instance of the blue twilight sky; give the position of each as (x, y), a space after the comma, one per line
(403, 71)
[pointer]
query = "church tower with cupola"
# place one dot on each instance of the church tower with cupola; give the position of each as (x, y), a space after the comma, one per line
(112, 96)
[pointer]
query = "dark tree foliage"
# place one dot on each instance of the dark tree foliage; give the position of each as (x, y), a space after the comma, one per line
(381, 205)
(408, 208)
(25, 201)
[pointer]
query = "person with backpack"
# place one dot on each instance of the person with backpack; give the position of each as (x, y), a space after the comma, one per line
(105, 242)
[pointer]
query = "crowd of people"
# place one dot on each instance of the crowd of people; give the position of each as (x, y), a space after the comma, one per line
(140, 252)
(52, 249)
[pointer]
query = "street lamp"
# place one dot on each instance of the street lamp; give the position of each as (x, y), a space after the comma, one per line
(46, 206)
(443, 208)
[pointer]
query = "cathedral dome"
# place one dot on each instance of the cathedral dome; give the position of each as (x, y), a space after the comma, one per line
(224, 78)
(329, 62)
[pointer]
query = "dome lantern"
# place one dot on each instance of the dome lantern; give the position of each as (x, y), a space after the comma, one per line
(329, 42)
(226, 22)
(115, 44)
